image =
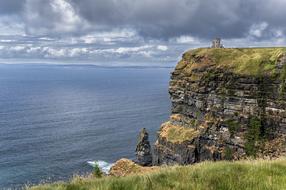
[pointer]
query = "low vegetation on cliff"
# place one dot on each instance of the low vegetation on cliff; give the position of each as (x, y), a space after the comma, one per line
(261, 174)
(243, 61)
(177, 134)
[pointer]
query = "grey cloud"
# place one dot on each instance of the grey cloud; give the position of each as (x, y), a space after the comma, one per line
(8, 7)
(52, 17)
(46, 49)
(160, 19)
(171, 18)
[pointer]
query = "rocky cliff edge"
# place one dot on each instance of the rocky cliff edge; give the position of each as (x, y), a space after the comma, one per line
(227, 104)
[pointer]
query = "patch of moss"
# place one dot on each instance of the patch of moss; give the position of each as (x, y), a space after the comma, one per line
(192, 123)
(181, 65)
(195, 77)
(253, 136)
(228, 153)
(211, 75)
(233, 126)
(230, 92)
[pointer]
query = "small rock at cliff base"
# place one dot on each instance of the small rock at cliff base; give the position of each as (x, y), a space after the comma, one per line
(143, 149)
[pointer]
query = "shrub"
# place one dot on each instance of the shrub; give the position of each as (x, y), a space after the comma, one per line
(233, 126)
(253, 136)
(228, 153)
(97, 172)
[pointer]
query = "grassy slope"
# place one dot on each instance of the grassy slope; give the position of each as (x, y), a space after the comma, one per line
(177, 134)
(244, 61)
(246, 175)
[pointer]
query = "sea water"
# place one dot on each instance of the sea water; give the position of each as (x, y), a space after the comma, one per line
(54, 119)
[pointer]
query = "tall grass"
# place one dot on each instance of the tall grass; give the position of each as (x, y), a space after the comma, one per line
(242, 175)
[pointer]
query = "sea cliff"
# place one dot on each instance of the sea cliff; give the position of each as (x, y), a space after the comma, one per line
(227, 104)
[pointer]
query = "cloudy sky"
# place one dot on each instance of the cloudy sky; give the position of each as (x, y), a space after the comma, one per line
(132, 32)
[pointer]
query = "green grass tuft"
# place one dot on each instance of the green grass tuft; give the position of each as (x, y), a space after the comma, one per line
(97, 172)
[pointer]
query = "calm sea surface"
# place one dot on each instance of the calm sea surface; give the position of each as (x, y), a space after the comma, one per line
(53, 119)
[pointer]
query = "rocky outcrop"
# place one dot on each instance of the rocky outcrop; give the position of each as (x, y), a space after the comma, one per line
(226, 104)
(125, 167)
(143, 149)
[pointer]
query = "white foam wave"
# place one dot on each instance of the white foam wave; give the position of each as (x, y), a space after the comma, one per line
(104, 166)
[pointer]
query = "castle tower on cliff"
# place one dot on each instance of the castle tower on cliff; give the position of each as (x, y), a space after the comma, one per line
(216, 43)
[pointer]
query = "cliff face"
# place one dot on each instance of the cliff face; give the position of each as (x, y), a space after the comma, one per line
(226, 104)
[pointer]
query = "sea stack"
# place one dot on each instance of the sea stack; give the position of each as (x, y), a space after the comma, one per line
(143, 149)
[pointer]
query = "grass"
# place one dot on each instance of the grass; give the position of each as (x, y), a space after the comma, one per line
(177, 134)
(246, 175)
(243, 61)
(283, 79)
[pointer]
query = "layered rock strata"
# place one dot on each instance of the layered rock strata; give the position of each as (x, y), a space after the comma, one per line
(143, 149)
(227, 104)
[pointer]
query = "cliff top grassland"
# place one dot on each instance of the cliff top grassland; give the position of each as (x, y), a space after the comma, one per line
(243, 61)
(260, 174)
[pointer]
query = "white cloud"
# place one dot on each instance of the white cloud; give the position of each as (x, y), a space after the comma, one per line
(88, 39)
(257, 30)
(123, 50)
(33, 50)
(18, 48)
(185, 39)
(62, 17)
(66, 11)
(76, 52)
(54, 53)
(162, 48)
(6, 41)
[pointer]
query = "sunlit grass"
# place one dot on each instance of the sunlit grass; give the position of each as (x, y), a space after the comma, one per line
(243, 175)
(177, 134)
(243, 61)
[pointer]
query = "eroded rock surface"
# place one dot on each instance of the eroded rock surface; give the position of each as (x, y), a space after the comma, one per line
(143, 149)
(125, 167)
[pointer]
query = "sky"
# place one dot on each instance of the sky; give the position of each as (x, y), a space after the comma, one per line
(132, 32)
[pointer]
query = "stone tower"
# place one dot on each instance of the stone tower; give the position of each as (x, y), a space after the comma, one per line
(143, 149)
(216, 43)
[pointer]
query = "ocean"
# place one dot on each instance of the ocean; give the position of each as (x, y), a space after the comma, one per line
(54, 119)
